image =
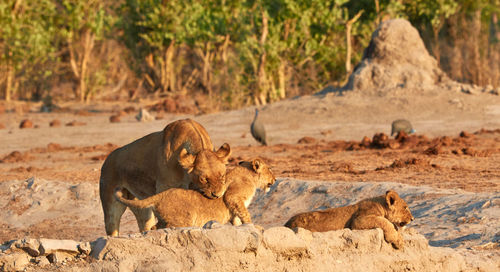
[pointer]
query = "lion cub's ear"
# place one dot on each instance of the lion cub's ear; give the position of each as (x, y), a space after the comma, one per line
(390, 197)
(224, 152)
(186, 160)
(257, 164)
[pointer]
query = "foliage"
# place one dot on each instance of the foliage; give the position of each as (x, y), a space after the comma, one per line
(235, 52)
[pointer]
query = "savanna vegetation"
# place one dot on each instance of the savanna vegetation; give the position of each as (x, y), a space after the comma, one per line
(230, 52)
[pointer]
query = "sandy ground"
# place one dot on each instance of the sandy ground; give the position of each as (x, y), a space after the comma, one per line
(49, 175)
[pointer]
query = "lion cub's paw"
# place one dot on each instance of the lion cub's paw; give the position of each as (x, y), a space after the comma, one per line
(398, 243)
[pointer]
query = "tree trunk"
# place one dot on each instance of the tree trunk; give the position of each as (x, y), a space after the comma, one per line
(282, 79)
(262, 84)
(435, 47)
(10, 79)
(89, 39)
(170, 67)
(348, 28)
(456, 60)
(476, 57)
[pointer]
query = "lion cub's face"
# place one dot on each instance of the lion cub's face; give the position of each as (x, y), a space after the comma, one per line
(207, 170)
(398, 213)
(265, 177)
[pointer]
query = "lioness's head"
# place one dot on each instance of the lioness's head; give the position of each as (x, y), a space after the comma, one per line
(207, 170)
(398, 213)
(265, 176)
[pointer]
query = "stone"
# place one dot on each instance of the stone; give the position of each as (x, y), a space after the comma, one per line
(30, 246)
(55, 123)
(42, 261)
(16, 261)
(84, 248)
(48, 246)
(98, 247)
(283, 239)
(212, 224)
(26, 123)
(75, 123)
(114, 119)
(59, 257)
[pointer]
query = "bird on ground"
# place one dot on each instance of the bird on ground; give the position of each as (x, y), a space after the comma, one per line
(257, 129)
(401, 125)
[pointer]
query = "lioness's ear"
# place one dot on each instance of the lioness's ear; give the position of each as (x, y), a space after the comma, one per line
(257, 165)
(390, 197)
(224, 152)
(186, 160)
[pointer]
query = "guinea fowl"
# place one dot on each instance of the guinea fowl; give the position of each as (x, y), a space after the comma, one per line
(257, 129)
(401, 125)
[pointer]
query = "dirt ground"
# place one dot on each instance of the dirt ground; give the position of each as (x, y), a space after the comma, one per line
(312, 138)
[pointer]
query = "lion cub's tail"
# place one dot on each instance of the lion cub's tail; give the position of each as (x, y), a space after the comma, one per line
(134, 203)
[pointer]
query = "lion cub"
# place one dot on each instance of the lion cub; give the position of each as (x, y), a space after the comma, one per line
(185, 208)
(388, 212)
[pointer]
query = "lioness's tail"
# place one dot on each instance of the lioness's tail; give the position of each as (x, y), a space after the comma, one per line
(135, 203)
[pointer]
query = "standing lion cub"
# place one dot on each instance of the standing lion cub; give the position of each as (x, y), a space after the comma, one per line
(388, 212)
(185, 208)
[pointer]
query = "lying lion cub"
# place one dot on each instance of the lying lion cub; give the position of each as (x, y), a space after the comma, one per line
(388, 212)
(184, 208)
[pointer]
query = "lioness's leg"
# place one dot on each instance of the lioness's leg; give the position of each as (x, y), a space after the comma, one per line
(391, 235)
(113, 211)
(145, 218)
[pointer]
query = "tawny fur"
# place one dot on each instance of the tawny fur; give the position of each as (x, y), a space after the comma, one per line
(388, 212)
(185, 208)
(178, 157)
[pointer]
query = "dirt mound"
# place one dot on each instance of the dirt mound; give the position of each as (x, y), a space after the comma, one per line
(387, 64)
(16, 156)
(228, 248)
(175, 104)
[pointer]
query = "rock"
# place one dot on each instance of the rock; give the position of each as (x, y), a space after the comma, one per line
(16, 261)
(2, 126)
(212, 224)
(129, 109)
(55, 123)
(306, 140)
(470, 89)
(30, 246)
(75, 123)
(30, 182)
(283, 239)
(26, 124)
(98, 247)
(114, 119)
(59, 257)
(144, 116)
(48, 246)
(366, 141)
(159, 116)
(465, 134)
(230, 248)
(42, 261)
(85, 248)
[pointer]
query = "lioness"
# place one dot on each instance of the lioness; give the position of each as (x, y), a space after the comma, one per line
(179, 156)
(388, 212)
(185, 208)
